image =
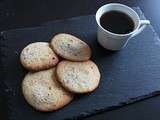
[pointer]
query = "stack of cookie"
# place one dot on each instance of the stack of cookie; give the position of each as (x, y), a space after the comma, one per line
(58, 70)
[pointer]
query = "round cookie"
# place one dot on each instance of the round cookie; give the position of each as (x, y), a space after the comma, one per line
(78, 77)
(42, 91)
(70, 47)
(38, 56)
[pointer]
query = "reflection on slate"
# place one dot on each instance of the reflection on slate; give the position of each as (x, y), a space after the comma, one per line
(126, 76)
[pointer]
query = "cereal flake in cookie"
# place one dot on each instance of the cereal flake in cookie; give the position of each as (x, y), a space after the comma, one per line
(70, 47)
(42, 91)
(38, 56)
(78, 77)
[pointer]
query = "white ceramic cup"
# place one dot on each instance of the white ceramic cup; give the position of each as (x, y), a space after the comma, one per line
(113, 41)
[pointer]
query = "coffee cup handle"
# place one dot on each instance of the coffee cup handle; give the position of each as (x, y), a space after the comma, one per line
(143, 24)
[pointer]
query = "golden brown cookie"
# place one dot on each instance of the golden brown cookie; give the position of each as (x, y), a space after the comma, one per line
(70, 47)
(78, 77)
(42, 91)
(38, 56)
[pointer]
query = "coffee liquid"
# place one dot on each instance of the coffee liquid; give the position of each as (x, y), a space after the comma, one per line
(117, 22)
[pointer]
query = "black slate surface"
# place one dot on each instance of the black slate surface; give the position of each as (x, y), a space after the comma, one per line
(129, 75)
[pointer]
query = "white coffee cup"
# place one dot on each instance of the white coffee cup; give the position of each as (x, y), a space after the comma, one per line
(113, 41)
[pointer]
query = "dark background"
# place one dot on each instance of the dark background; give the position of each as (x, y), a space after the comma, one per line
(29, 13)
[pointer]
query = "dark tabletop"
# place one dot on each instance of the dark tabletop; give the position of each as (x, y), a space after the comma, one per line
(29, 13)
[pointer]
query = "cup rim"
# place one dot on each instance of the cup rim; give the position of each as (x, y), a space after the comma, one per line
(98, 22)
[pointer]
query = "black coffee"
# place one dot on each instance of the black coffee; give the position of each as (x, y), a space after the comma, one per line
(117, 22)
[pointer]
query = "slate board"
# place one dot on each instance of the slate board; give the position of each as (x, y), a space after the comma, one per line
(127, 76)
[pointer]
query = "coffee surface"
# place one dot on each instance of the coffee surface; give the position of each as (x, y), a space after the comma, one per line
(117, 22)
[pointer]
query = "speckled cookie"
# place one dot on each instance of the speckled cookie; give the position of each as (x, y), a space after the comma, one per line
(70, 47)
(78, 77)
(42, 91)
(38, 56)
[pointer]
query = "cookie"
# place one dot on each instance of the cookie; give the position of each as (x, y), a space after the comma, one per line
(78, 77)
(42, 91)
(38, 56)
(70, 47)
